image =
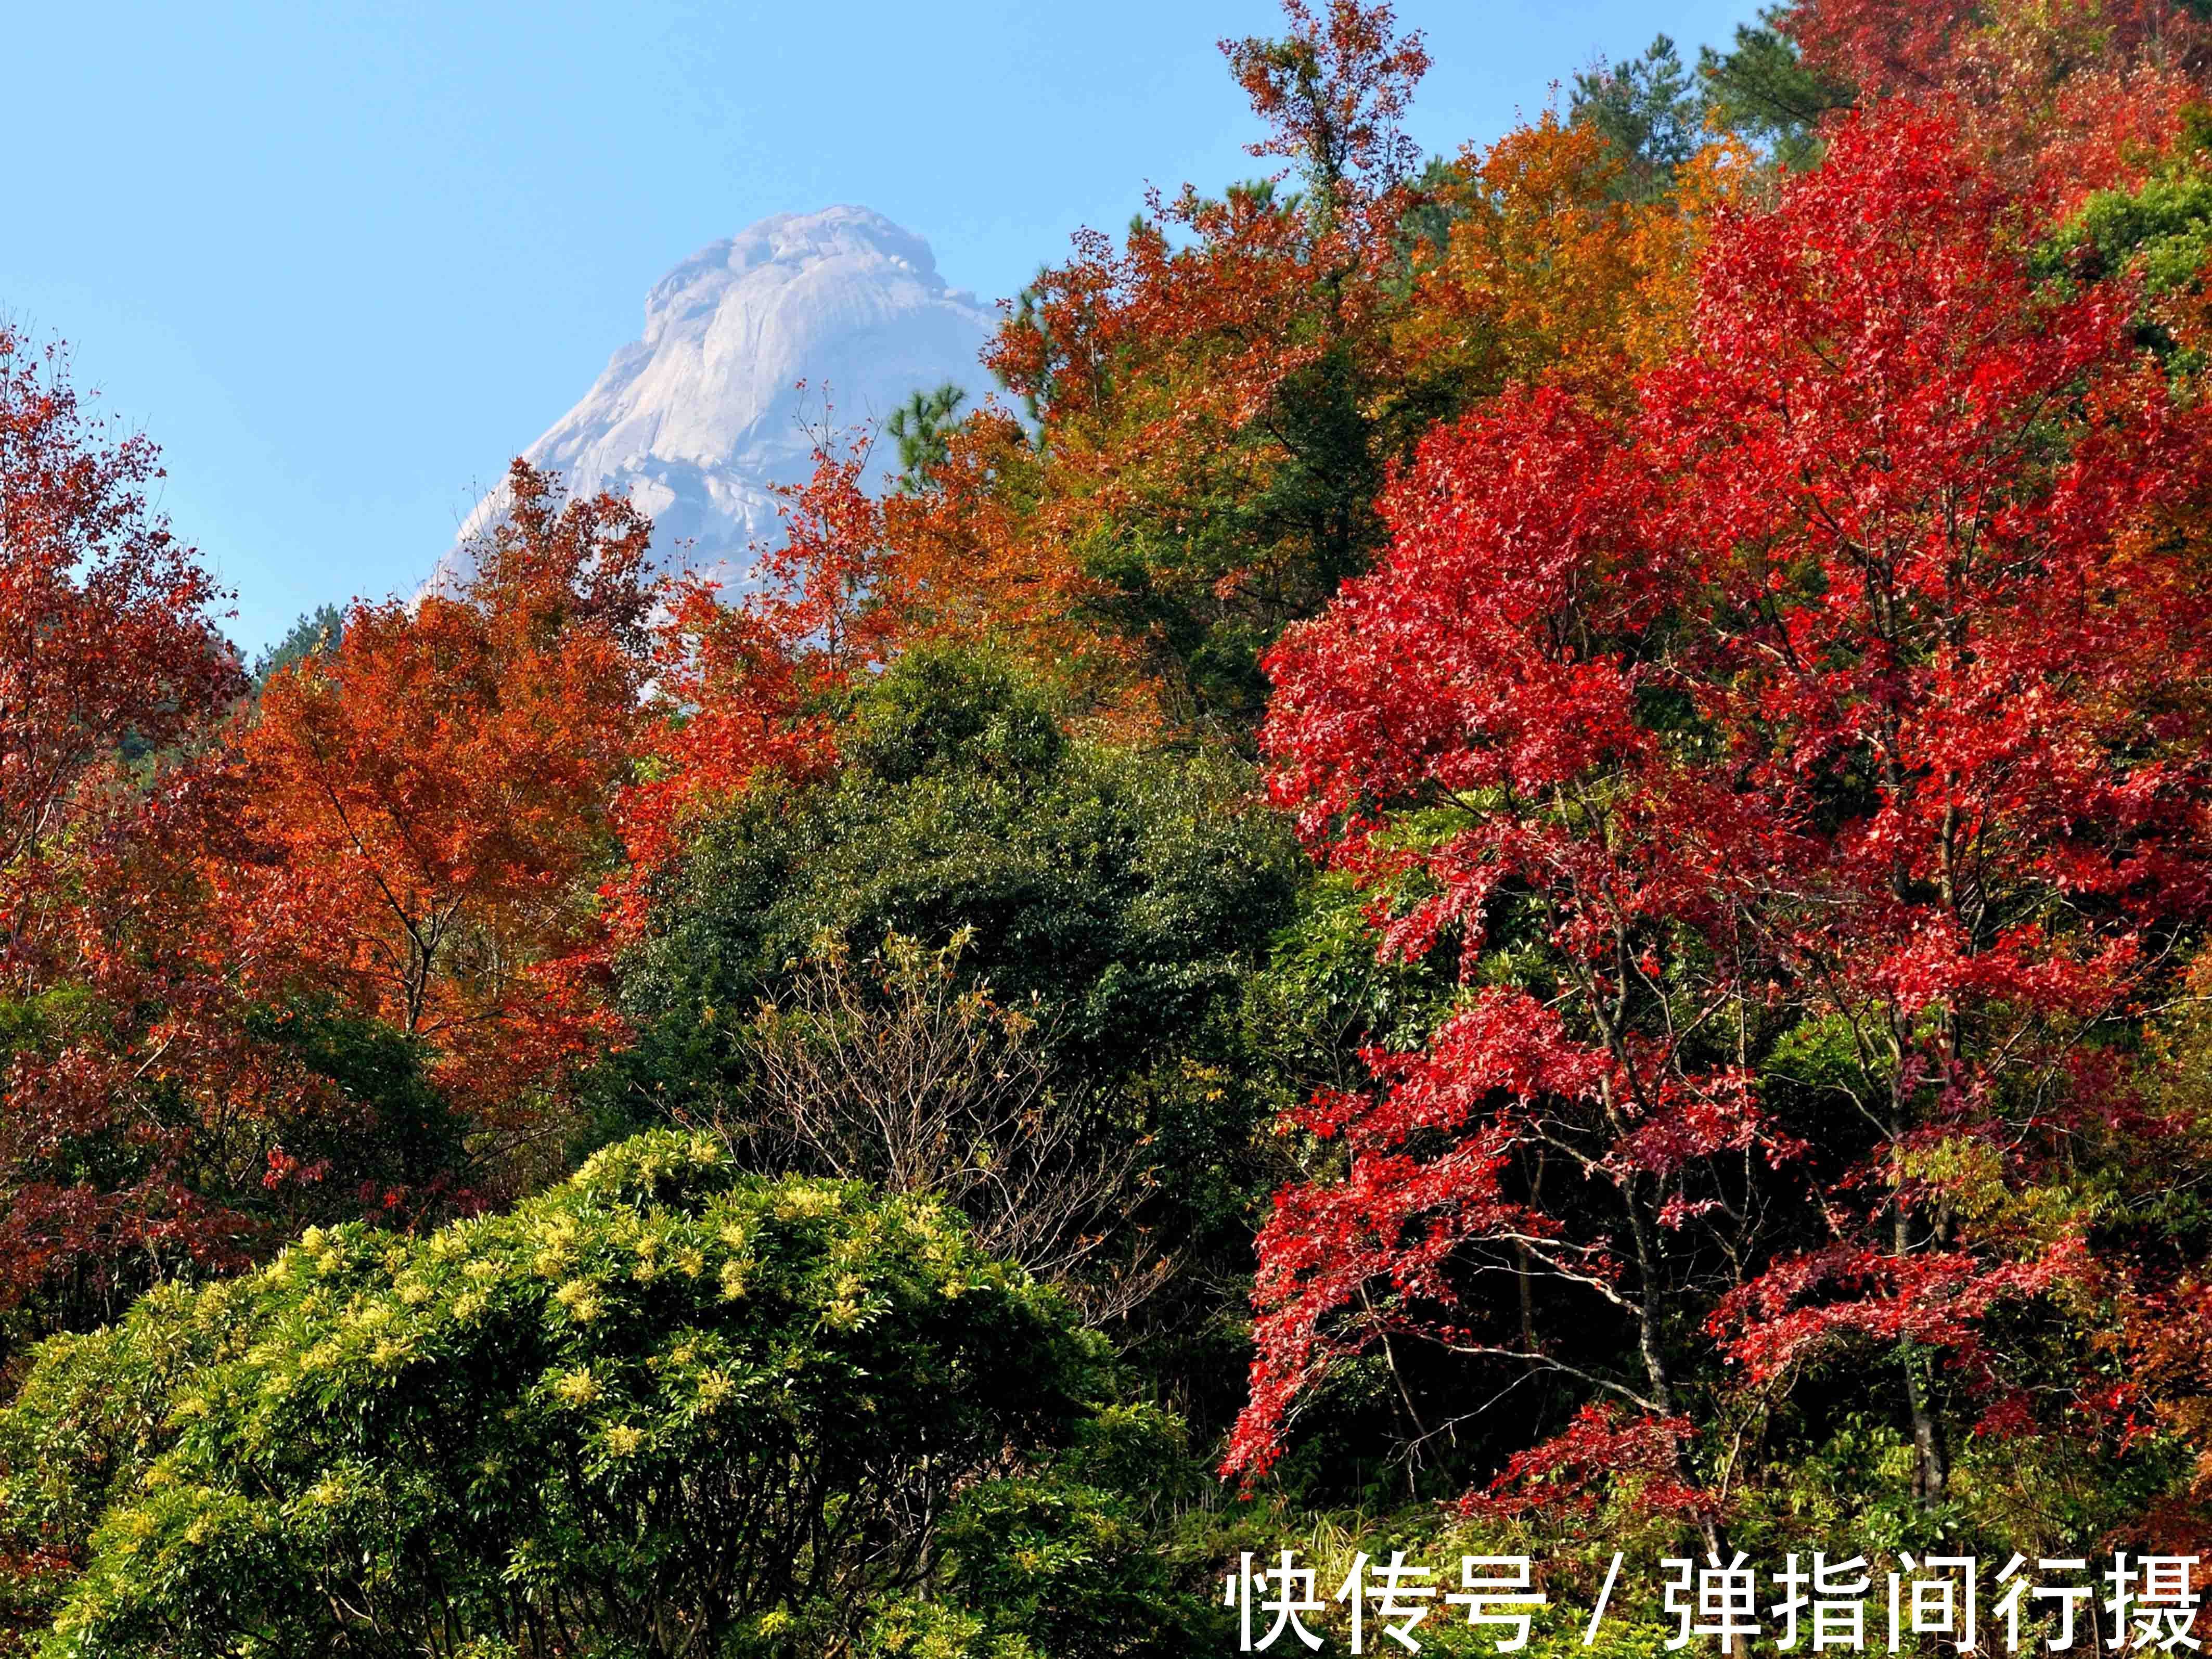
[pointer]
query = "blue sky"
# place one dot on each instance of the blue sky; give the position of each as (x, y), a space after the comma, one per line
(340, 259)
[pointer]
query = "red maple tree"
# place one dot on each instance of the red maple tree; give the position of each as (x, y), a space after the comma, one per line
(2056, 102)
(135, 1109)
(1832, 715)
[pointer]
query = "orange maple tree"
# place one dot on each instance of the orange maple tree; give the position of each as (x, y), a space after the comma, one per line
(1217, 398)
(749, 686)
(970, 560)
(434, 790)
(1205, 392)
(1549, 272)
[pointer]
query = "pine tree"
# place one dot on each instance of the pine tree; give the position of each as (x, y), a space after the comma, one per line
(921, 427)
(1650, 110)
(319, 629)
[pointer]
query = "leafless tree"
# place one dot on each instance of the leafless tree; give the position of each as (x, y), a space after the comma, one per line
(895, 1072)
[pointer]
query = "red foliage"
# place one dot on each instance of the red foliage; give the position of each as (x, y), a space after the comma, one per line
(137, 1108)
(819, 583)
(1491, 670)
(1603, 1448)
(105, 628)
(746, 689)
(2056, 100)
(1847, 689)
(1888, 49)
(1810, 1304)
(1879, 47)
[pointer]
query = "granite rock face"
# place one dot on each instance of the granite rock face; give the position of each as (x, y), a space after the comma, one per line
(697, 419)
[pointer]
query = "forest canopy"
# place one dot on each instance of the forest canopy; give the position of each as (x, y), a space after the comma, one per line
(1514, 858)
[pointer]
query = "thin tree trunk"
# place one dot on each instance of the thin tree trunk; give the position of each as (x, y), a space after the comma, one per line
(1928, 1472)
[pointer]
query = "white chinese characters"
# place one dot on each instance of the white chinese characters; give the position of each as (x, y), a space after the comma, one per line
(1924, 1604)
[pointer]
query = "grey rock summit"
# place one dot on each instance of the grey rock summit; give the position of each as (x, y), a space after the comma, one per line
(694, 421)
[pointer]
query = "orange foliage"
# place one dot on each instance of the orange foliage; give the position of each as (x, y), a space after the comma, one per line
(1550, 276)
(971, 561)
(434, 794)
(1207, 391)
(746, 689)
(1185, 333)
(1219, 395)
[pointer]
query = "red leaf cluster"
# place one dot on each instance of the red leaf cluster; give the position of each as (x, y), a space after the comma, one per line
(1843, 683)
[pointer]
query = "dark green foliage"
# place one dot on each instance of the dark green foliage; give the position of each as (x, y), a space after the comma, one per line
(1122, 895)
(1071, 1566)
(1120, 899)
(2163, 230)
(1322, 497)
(700, 1400)
(1281, 549)
(661, 1409)
(1087, 1557)
(1324, 995)
(1761, 90)
(1424, 229)
(941, 714)
(1066, 1567)
(360, 1131)
(1655, 111)
(319, 629)
(921, 427)
(395, 1131)
(1651, 112)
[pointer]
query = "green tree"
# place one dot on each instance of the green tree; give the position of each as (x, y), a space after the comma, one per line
(921, 427)
(1116, 901)
(1650, 110)
(1082, 1558)
(1120, 897)
(1761, 90)
(317, 630)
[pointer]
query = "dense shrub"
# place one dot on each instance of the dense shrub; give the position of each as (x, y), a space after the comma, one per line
(1124, 893)
(661, 1409)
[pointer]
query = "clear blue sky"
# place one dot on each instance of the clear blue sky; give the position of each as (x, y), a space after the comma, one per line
(340, 259)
